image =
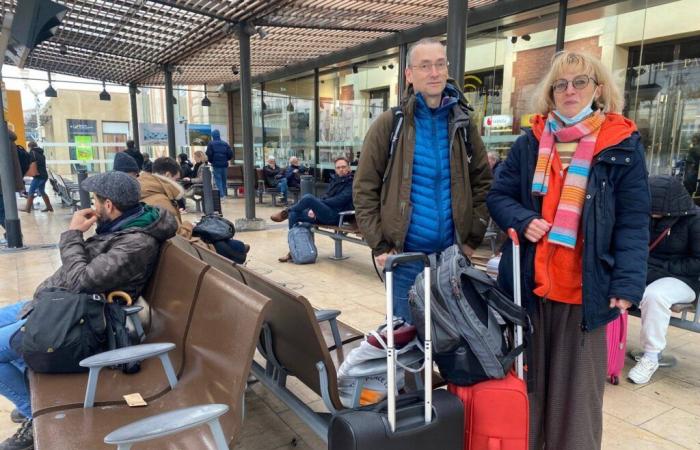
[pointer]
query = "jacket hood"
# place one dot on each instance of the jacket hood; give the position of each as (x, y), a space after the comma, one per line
(216, 135)
(614, 130)
(154, 221)
(669, 197)
(153, 184)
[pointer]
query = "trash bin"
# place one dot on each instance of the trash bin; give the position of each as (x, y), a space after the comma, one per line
(307, 185)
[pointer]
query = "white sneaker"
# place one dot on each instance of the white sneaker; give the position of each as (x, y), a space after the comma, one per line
(642, 372)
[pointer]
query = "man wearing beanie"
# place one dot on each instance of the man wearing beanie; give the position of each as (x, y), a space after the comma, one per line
(123, 162)
(121, 255)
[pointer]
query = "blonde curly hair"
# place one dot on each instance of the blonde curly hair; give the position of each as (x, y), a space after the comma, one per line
(610, 99)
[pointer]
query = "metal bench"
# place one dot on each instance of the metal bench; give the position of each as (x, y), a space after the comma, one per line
(171, 295)
(219, 347)
(346, 230)
(234, 178)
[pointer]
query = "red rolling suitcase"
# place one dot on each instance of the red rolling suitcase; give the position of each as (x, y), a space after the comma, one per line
(496, 412)
(617, 346)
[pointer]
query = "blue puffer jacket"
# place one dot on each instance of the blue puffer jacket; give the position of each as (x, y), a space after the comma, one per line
(219, 153)
(431, 228)
(615, 225)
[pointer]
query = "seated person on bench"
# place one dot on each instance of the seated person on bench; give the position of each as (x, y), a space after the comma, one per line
(325, 210)
(195, 181)
(161, 189)
(673, 268)
(291, 177)
(272, 174)
(120, 256)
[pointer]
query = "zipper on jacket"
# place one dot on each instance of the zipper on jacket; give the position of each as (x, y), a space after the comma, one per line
(438, 181)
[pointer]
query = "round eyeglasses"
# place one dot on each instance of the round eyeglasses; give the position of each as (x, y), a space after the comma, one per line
(580, 82)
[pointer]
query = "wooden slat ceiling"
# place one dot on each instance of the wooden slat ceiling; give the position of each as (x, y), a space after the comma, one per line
(126, 41)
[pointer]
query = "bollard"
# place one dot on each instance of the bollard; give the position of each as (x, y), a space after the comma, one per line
(207, 191)
(307, 185)
(84, 195)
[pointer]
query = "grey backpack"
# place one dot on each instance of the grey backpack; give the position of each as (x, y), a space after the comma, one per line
(471, 320)
(301, 244)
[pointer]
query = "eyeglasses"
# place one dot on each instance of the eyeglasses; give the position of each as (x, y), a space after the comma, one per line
(440, 66)
(580, 82)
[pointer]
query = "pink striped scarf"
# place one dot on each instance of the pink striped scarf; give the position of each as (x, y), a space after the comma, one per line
(564, 230)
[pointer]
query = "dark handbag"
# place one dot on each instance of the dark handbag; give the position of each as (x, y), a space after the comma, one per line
(62, 329)
(212, 228)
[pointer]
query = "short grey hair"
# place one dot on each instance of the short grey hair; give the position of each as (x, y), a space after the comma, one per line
(424, 41)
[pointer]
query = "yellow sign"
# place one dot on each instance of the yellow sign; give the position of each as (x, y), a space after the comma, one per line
(12, 101)
(525, 120)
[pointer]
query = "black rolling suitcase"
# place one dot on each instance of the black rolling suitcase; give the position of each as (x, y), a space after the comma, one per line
(425, 420)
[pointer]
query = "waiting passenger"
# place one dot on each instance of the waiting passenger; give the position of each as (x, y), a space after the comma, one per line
(185, 165)
(431, 193)
(494, 162)
(134, 153)
(161, 187)
(195, 181)
(147, 163)
(39, 181)
(125, 163)
(219, 153)
(674, 268)
(322, 210)
(575, 189)
(272, 173)
(120, 256)
(291, 177)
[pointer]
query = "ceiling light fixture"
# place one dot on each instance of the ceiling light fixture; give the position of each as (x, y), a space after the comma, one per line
(50, 91)
(104, 95)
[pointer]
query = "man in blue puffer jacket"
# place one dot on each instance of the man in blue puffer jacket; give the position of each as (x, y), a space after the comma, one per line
(431, 192)
(219, 153)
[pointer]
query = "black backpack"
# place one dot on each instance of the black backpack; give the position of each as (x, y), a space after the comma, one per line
(64, 328)
(25, 159)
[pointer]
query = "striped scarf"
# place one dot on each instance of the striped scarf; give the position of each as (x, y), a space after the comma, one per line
(566, 220)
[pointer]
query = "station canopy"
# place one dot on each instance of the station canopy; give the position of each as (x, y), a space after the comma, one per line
(130, 41)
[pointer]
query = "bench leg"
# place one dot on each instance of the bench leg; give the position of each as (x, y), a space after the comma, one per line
(219, 438)
(338, 250)
(124, 447)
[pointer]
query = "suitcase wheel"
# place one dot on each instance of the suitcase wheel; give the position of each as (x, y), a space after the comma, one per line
(614, 379)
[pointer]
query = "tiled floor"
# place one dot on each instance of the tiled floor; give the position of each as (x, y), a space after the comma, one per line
(664, 414)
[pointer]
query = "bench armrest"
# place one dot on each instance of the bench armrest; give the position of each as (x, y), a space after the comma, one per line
(125, 355)
(131, 310)
(169, 423)
(342, 215)
(326, 314)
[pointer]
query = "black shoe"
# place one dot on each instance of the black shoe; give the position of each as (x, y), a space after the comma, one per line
(16, 416)
(23, 439)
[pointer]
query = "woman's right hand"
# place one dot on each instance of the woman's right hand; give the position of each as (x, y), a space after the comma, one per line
(536, 230)
(381, 259)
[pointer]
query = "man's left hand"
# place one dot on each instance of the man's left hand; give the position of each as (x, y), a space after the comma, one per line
(620, 303)
(83, 220)
(467, 250)
(311, 214)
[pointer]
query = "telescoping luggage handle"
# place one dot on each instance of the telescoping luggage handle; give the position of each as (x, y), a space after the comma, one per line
(391, 263)
(513, 235)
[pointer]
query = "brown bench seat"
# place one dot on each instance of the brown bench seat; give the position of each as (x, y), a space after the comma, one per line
(171, 295)
(218, 350)
(260, 283)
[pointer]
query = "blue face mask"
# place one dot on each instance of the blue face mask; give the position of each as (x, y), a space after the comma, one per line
(568, 121)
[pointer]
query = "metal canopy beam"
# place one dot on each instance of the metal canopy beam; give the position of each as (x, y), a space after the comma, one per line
(561, 24)
(134, 116)
(477, 16)
(169, 112)
(457, 39)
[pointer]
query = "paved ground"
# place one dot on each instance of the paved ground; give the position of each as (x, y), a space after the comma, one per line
(664, 414)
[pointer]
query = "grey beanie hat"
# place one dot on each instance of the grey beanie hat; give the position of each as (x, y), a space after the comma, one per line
(116, 186)
(125, 163)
